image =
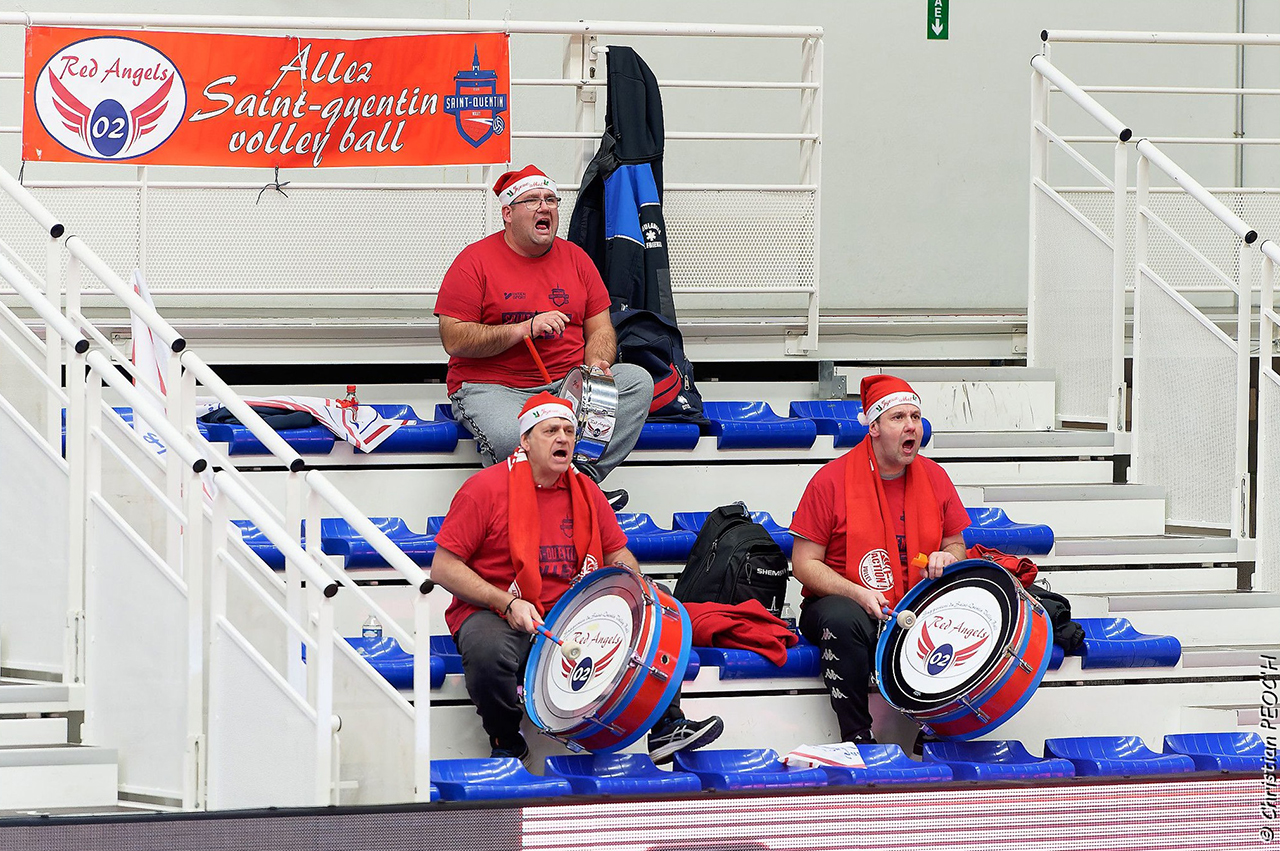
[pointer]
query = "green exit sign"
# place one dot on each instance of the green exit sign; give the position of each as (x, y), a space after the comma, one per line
(938, 26)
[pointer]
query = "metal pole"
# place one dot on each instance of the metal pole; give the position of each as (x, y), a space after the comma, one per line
(1040, 172)
(1119, 280)
(1244, 351)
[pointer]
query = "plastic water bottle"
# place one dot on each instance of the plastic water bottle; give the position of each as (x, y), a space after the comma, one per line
(791, 617)
(372, 628)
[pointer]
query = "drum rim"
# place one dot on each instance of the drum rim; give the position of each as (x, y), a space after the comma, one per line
(905, 702)
(542, 645)
(1037, 677)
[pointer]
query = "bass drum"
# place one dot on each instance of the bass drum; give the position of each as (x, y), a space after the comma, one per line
(979, 647)
(595, 408)
(634, 639)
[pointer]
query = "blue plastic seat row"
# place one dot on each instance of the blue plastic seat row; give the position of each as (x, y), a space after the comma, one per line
(339, 538)
(1115, 643)
(992, 528)
(635, 774)
(416, 435)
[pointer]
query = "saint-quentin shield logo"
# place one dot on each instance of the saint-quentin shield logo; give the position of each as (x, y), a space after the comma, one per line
(476, 104)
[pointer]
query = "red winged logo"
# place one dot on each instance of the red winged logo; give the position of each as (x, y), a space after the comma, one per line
(566, 666)
(939, 658)
(107, 128)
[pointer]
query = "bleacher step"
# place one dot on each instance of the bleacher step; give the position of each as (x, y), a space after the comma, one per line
(1057, 443)
(22, 697)
(1197, 619)
(1078, 511)
(32, 731)
(974, 398)
(63, 775)
(1161, 548)
(1107, 578)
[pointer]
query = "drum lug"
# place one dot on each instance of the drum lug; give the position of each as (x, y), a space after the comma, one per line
(612, 728)
(1022, 663)
(967, 705)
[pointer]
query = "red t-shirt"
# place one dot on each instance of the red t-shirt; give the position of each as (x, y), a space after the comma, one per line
(822, 514)
(475, 530)
(490, 283)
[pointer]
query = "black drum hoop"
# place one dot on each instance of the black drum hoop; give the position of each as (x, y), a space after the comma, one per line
(994, 579)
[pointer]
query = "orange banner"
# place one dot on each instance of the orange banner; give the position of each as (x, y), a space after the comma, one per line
(169, 98)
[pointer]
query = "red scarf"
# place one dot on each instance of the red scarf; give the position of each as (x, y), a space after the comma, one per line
(524, 527)
(872, 558)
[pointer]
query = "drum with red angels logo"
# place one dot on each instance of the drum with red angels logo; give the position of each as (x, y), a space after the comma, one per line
(978, 648)
(631, 643)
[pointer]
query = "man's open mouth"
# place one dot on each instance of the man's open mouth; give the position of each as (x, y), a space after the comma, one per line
(542, 224)
(560, 454)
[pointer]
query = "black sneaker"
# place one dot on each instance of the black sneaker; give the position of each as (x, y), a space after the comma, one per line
(617, 499)
(683, 735)
(517, 748)
(864, 739)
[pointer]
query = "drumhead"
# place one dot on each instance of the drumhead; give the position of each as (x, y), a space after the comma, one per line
(601, 614)
(964, 619)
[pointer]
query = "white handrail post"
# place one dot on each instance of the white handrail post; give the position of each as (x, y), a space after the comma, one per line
(302, 516)
(1244, 351)
(1039, 172)
(326, 726)
(422, 694)
(77, 451)
(1142, 183)
(1119, 279)
(52, 343)
(811, 172)
(195, 575)
(176, 473)
(581, 61)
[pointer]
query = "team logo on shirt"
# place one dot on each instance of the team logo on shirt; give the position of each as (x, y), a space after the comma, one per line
(875, 571)
(559, 297)
(566, 526)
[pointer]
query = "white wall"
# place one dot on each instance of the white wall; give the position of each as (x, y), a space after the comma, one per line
(925, 151)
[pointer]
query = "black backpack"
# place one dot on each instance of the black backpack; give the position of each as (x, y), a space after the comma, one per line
(734, 560)
(652, 341)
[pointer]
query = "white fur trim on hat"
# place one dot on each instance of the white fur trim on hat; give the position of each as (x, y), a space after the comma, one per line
(534, 181)
(549, 410)
(883, 404)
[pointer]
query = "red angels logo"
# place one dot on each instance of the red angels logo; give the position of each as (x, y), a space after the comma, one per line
(110, 98)
(938, 658)
(875, 571)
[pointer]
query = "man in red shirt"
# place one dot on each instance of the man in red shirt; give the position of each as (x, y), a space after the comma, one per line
(516, 537)
(522, 283)
(862, 521)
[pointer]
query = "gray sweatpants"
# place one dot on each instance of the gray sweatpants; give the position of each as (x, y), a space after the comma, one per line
(492, 412)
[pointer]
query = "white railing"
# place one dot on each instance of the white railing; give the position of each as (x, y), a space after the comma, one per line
(175, 513)
(1179, 354)
(1267, 567)
(726, 234)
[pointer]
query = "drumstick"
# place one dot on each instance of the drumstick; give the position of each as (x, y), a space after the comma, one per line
(570, 649)
(537, 359)
(906, 618)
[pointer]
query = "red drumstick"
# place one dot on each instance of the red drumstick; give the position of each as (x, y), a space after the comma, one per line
(537, 359)
(570, 649)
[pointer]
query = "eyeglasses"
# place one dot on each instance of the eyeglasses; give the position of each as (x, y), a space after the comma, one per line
(532, 204)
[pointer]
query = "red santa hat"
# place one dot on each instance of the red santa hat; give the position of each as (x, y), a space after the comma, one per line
(544, 406)
(882, 392)
(513, 184)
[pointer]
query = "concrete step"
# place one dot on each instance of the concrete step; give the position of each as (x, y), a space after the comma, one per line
(28, 697)
(974, 398)
(1058, 443)
(57, 776)
(1197, 619)
(1108, 579)
(1078, 511)
(32, 731)
(1144, 550)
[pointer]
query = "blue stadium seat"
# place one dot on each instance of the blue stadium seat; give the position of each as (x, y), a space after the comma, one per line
(125, 414)
(1056, 655)
(417, 435)
(312, 440)
(444, 413)
(1095, 756)
(1219, 751)
(886, 764)
(839, 417)
(803, 660)
(650, 543)
(668, 436)
(1114, 643)
(619, 774)
(261, 544)
(991, 527)
(995, 760)
(692, 521)
(339, 538)
(396, 666)
(754, 425)
(435, 793)
(444, 649)
(746, 769)
(488, 779)
(434, 523)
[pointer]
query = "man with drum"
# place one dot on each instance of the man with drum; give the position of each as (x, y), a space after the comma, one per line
(515, 538)
(862, 524)
(519, 283)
